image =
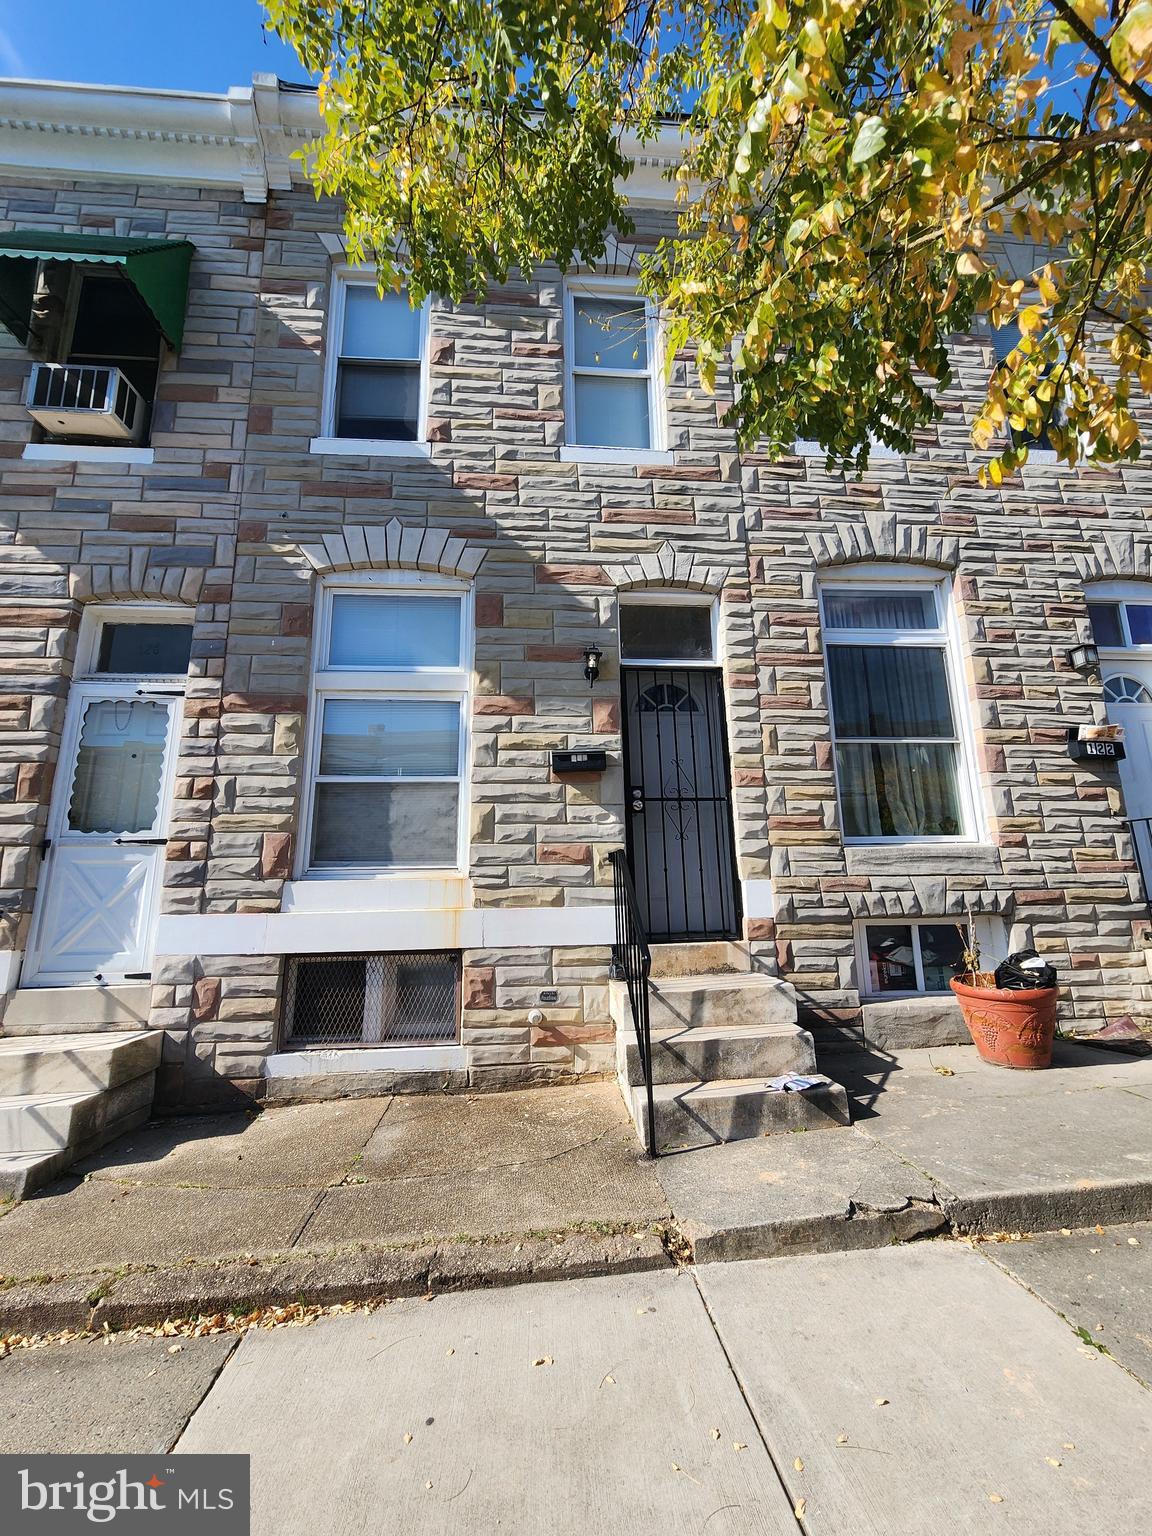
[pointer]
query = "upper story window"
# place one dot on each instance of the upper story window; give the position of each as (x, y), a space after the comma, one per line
(1120, 625)
(1005, 340)
(610, 357)
(900, 763)
(375, 384)
(389, 720)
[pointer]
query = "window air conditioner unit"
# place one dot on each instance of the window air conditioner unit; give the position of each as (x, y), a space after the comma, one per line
(85, 400)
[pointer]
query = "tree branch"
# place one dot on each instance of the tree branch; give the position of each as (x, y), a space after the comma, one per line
(1099, 49)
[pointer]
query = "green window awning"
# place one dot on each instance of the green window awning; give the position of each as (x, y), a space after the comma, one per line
(157, 269)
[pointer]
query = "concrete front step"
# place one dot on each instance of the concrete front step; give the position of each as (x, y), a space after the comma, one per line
(43, 1010)
(62, 1097)
(721, 1002)
(715, 957)
(52, 1064)
(709, 1055)
(704, 1114)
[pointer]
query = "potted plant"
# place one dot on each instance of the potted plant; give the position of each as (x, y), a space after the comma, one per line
(1010, 1026)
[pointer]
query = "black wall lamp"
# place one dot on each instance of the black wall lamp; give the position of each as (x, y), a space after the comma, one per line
(1083, 658)
(592, 655)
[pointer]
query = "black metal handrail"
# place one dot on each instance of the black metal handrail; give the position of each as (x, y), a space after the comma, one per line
(632, 963)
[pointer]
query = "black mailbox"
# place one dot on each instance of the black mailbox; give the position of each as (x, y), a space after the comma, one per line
(1096, 751)
(583, 760)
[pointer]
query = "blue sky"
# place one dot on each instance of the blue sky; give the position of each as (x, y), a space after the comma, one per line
(195, 45)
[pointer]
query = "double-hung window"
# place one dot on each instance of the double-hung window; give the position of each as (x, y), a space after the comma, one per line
(391, 688)
(900, 764)
(611, 370)
(375, 380)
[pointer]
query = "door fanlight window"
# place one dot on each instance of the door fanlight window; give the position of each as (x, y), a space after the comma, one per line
(1126, 690)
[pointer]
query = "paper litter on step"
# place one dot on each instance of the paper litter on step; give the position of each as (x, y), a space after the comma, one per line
(792, 1082)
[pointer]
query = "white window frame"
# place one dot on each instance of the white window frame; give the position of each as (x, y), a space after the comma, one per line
(914, 923)
(946, 637)
(671, 597)
(444, 683)
(575, 451)
(92, 621)
(342, 279)
(1117, 594)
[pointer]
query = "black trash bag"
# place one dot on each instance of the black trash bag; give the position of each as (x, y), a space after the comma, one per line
(1024, 969)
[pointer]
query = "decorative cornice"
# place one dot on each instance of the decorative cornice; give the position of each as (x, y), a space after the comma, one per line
(1117, 556)
(137, 579)
(882, 536)
(391, 546)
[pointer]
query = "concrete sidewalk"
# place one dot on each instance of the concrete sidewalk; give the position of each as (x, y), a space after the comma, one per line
(940, 1141)
(866, 1394)
(335, 1201)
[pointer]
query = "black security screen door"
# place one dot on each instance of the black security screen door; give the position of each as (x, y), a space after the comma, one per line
(678, 802)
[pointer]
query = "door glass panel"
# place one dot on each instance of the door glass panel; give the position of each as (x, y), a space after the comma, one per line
(1139, 622)
(402, 738)
(653, 632)
(138, 649)
(1105, 621)
(119, 767)
(383, 631)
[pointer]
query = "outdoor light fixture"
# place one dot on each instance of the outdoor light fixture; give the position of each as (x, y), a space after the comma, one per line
(1083, 658)
(592, 655)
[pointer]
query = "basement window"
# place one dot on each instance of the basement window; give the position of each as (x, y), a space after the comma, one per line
(386, 999)
(907, 958)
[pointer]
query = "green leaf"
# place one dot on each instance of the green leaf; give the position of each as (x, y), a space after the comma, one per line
(870, 140)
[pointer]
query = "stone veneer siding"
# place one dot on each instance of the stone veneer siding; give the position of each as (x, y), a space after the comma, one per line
(237, 517)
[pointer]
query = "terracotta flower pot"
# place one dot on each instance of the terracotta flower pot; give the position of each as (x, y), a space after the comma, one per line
(1010, 1028)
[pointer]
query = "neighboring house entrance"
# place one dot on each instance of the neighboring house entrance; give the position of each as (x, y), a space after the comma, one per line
(677, 781)
(1128, 692)
(104, 855)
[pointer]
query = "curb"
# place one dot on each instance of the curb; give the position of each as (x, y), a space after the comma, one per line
(92, 1303)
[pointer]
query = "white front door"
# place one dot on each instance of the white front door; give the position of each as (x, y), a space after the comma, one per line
(1128, 692)
(96, 907)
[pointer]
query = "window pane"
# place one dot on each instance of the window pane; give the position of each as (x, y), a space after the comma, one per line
(884, 690)
(891, 966)
(381, 400)
(385, 630)
(144, 648)
(611, 413)
(610, 333)
(941, 954)
(407, 738)
(386, 824)
(862, 609)
(1105, 621)
(1139, 622)
(898, 790)
(379, 327)
(653, 632)
(119, 767)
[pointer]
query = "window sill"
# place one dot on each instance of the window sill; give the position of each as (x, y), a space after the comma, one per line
(921, 857)
(86, 453)
(370, 447)
(629, 456)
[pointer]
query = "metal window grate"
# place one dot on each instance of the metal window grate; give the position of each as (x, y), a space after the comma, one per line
(393, 999)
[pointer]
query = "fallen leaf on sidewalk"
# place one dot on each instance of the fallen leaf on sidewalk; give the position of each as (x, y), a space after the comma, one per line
(174, 1349)
(544, 1360)
(799, 1508)
(407, 1437)
(738, 1445)
(1134, 1242)
(688, 1475)
(944, 1072)
(427, 1485)
(609, 1381)
(841, 1439)
(449, 1351)
(1069, 1446)
(1052, 1462)
(996, 1498)
(715, 1434)
(881, 1402)
(798, 1464)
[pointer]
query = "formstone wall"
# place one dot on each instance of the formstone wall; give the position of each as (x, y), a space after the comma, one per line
(237, 517)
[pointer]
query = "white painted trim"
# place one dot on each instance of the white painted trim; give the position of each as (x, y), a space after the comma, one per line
(384, 1058)
(759, 898)
(586, 454)
(11, 961)
(370, 447)
(92, 620)
(673, 597)
(991, 935)
(62, 453)
(408, 891)
(335, 933)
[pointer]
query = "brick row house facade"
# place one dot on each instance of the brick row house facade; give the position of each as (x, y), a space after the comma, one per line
(299, 754)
